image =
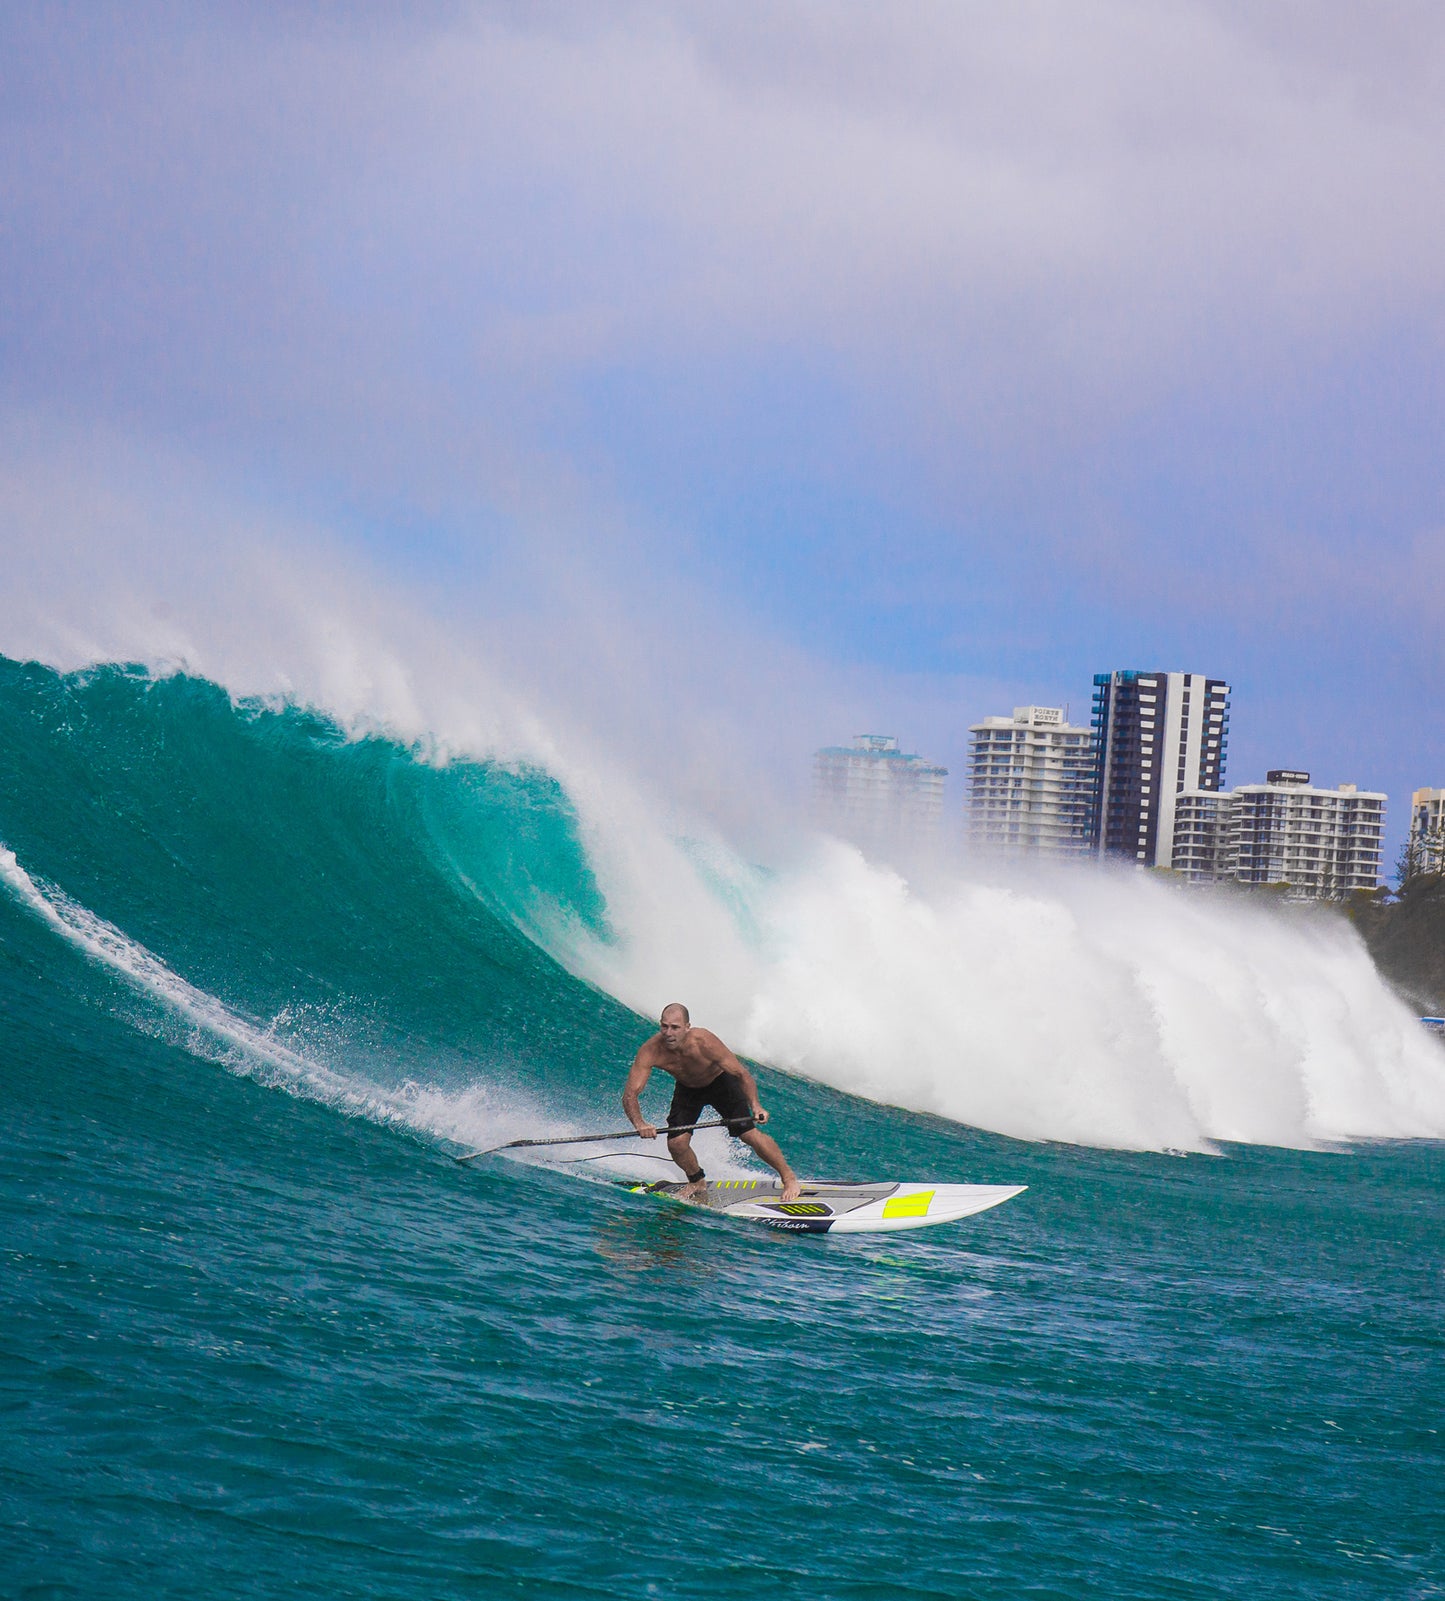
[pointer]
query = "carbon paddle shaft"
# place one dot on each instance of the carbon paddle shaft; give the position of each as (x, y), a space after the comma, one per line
(589, 1139)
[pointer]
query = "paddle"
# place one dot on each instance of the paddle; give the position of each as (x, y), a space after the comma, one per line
(590, 1139)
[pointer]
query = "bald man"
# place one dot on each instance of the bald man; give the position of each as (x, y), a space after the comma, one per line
(707, 1074)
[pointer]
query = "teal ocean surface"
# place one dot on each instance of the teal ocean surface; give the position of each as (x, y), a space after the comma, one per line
(260, 1336)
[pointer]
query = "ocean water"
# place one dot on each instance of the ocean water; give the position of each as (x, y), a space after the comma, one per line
(259, 977)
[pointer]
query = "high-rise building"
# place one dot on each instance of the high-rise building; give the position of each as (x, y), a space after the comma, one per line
(1155, 734)
(1030, 783)
(1323, 843)
(1427, 831)
(876, 794)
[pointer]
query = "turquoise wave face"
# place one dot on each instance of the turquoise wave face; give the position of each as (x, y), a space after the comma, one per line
(256, 1343)
(349, 887)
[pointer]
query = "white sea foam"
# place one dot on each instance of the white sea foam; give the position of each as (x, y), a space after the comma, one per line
(1096, 1007)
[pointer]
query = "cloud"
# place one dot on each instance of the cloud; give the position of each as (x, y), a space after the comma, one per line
(1019, 205)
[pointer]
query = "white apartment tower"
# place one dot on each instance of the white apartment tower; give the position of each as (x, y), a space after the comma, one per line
(1030, 783)
(876, 794)
(1322, 843)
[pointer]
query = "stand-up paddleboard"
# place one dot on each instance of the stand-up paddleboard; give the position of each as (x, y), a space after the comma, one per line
(838, 1208)
(820, 1208)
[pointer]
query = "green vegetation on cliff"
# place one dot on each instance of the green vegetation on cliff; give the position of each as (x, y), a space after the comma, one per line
(1406, 937)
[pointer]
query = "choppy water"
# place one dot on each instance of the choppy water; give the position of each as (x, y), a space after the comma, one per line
(260, 1336)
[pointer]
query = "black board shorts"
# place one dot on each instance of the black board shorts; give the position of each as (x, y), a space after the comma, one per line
(725, 1095)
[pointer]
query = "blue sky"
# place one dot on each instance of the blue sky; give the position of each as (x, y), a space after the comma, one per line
(852, 362)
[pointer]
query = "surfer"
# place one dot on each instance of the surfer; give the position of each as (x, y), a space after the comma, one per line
(707, 1074)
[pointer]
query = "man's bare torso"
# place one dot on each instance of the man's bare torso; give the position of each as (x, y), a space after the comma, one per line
(696, 1062)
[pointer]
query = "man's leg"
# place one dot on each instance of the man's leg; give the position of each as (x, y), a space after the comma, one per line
(767, 1147)
(686, 1105)
(679, 1148)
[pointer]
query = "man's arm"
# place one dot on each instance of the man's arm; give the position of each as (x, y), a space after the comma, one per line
(637, 1082)
(719, 1053)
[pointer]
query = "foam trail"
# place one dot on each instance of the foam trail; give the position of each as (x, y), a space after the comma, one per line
(215, 1032)
(476, 1116)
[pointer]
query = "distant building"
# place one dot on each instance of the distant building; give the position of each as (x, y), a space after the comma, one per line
(1426, 848)
(1030, 783)
(1323, 843)
(1155, 735)
(876, 794)
(1202, 838)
